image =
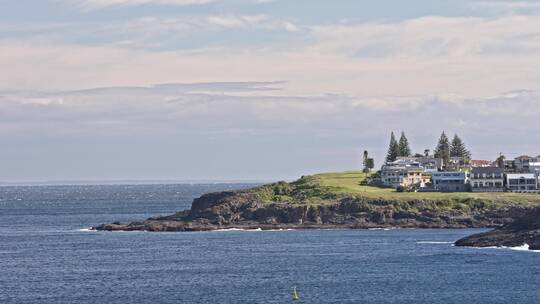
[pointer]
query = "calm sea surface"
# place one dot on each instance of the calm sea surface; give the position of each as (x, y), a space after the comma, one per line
(47, 257)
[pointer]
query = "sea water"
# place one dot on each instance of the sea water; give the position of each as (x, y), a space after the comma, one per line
(47, 255)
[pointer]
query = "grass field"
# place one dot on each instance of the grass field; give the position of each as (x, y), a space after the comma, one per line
(349, 183)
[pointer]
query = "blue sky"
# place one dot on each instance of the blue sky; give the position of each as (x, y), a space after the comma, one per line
(258, 89)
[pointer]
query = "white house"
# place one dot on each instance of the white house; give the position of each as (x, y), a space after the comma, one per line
(450, 181)
(534, 167)
(522, 182)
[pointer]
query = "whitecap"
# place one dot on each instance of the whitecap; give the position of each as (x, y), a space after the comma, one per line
(86, 230)
(524, 247)
(229, 229)
(238, 229)
(382, 228)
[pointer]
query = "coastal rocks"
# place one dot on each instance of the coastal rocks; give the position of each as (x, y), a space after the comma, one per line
(245, 210)
(524, 230)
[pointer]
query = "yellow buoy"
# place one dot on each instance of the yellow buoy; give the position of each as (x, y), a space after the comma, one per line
(295, 294)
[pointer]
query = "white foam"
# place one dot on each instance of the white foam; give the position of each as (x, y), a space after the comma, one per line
(86, 230)
(236, 229)
(524, 247)
(382, 228)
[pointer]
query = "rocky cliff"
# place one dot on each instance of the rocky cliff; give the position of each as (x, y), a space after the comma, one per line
(524, 230)
(250, 209)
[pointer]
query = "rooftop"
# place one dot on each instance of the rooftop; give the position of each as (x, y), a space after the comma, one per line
(487, 170)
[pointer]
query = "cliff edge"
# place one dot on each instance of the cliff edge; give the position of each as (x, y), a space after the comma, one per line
(338, 200)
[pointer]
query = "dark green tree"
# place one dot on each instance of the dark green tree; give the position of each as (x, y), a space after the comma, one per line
(370, 164)
(393, 149)
(404, 149)
(443, 148)
(500, 161)
(365, 161)
(458, 149)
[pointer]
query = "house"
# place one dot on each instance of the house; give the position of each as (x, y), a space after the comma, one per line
(404, 172)
(430, 163)
(522, 163)
(481, 163)
(400, 176)
(522, 182)
(487, 179)
(449, 181)
(534, 167)
(415, 178)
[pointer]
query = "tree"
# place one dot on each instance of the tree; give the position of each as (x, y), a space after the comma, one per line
(500, 161)
(443, 148)
(368, 162)
(365, 161)
(426, 152)
(393, 149)
(458, 149)
(404, 149)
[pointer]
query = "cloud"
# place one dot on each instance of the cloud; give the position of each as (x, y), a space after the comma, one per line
(508, 4)
(225, 130)
(88, 4)
(236, 21)
(432, 37)
(217, 107)
(95, 4)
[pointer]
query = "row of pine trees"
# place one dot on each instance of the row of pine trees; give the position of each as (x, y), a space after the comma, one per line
(444, 149)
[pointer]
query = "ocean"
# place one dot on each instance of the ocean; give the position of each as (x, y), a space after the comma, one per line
(47, 255)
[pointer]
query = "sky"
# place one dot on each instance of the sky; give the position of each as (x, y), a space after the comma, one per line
(104, 90)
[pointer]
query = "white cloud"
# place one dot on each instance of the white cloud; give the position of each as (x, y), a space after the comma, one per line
(225, 129)
(236, 21)
(423, 56)
(93, 4)
(432, 37)
(104, 3)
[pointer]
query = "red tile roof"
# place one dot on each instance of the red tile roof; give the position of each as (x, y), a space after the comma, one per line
(480, 162)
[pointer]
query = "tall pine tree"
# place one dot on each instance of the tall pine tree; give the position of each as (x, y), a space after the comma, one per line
(393, 149)
(458, 149)
(404, 149)
(443, 148)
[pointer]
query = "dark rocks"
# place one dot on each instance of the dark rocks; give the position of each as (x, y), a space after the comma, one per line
(245, 209)
(523, 230)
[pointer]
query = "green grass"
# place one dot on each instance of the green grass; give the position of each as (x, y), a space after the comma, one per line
(329, 187)
(349, 182)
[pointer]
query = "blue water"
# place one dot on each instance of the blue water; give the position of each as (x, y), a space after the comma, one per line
(45, 258)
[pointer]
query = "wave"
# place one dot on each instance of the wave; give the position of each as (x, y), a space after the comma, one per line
(86, 230)
(236, 229)
(382, 228)
(524, 247)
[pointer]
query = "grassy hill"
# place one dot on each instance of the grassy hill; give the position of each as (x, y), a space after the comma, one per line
(327, 187)
(338, 200)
